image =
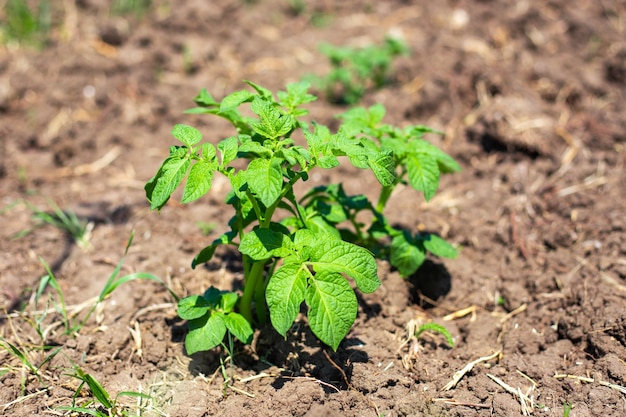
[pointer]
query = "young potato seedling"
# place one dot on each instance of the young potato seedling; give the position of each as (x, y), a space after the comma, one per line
(354, 71)
(304, 256)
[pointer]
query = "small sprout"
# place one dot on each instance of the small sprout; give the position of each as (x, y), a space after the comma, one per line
(437, 328)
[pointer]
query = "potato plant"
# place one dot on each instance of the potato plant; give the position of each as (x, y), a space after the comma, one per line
(296, 249)
(354, 71)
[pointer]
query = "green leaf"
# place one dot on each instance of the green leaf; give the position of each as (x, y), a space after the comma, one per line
(376, 113)
(273, 124)
(423, 173)
(204, 98)
(265, 179)
(438, 246)
(193, 307)
(262, 91)
(406, 255)
(254, 147)
(328, 161)
(213, 296)
(318, 224)
(228, 300)
(96, 389)
(332, 307)
(167, 179)
(187, 134)
(207, 152)
(383, 167)
(205, 332)
(284, 293)
(239, 327)
(332, 255)
(206, 254)
(228, 149)
(445, 162)
(198, 181)
(261, 244)
(234, 100)
(296, 95)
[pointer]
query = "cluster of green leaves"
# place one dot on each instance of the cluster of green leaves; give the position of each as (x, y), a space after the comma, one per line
(304, 257)
(139, 8)
(409, 160)
(23, 24)
(354, 71)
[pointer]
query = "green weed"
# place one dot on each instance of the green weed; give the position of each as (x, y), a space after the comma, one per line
(79, 230)
(24, 25)
(138, 8)
(437, 328)
(71, 322)
(101, 398)
(567, 407)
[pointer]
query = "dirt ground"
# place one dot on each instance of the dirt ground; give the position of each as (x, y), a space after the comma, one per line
(531, 97)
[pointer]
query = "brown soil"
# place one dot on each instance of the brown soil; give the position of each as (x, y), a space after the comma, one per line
(531, 96)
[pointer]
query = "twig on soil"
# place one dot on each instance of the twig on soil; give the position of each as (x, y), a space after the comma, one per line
(458, 375)
(23, 398)
(613, 282)
(590, 182)
(527, 377)
(452, 401)
(462, 313)
(515, 238)
(591, 380)
(317, 381)
(148, 309)
(135, 333)
(89, 168)
(257, 376)
(240, 391)
(350, 386)
(512, 313)
(526, 402)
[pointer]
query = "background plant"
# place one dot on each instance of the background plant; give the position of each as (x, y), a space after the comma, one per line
(23, 24)
(77, 229)
(354, 71)
(297, 256)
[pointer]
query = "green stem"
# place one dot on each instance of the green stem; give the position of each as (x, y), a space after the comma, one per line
(259, 301)
(254, 285)
(357, 229)
(385, 193)
(251, 282)
(255, 205)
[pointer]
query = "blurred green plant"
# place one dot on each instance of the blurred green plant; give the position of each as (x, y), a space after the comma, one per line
(138, 8)
(79, 230)
(24, 25)
(354, 71)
